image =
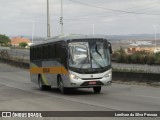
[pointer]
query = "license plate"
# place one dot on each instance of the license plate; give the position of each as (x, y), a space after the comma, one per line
(92, 83)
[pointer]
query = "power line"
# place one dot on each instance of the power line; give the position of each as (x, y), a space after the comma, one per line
(114, 10)
(139, 6)
(93, 16)
(107, 13)
(152, 6)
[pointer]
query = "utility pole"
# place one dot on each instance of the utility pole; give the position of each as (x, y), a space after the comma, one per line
(155, 35)
(93, 29)
(48, 20)
(61, 18)
(33, 30)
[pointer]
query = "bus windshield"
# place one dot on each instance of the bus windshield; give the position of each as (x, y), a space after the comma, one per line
(87, 55)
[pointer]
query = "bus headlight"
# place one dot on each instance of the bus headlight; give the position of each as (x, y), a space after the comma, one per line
(107, 75)
(72, 76)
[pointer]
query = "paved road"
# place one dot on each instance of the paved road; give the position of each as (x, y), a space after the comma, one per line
(17, 93)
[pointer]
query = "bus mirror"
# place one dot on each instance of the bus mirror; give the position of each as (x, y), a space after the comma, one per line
(64, 49)
(110, 48)
(64, 46)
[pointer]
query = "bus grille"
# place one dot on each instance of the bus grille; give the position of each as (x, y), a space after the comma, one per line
(90, 78)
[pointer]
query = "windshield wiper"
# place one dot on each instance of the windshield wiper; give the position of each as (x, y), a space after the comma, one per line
(96, 61)
(99, 54)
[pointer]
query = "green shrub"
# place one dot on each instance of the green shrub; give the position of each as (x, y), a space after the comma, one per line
(151, 59)
(23, 44)
(136, 58)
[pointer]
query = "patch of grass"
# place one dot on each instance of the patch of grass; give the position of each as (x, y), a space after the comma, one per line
(129, 70)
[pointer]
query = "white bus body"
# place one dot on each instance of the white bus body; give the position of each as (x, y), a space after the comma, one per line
(71, 63)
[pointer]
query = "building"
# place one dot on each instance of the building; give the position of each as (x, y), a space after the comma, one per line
(156, 50)
(145, 49)
(16, 40)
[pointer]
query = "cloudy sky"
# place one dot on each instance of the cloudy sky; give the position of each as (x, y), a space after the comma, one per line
(109, 17)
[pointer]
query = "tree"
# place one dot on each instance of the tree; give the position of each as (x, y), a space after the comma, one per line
(23, 44)
(4, 40)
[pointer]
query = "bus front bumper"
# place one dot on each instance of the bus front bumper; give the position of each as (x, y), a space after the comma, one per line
(79, 83)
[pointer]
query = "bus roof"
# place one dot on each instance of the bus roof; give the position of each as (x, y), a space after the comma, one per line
(67, 37)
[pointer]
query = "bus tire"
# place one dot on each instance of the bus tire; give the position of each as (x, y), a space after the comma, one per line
(97, 89)
(41, 84)
(61, 87)
(48, 87)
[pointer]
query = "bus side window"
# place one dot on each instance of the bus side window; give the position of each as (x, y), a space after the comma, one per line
(60, 52)
(43, 52)
(46, 52)
(64, 54)
(53, 51)
(35, 54)
(57, 50)
(49, 52)
(31, 54)
(38, 53)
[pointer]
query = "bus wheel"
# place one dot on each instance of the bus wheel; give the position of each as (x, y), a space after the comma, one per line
(40, 83)
(48, 87)
(61, 86)
(97, 89)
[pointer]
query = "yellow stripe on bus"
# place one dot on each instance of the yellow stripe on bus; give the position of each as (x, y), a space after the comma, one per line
(48, 70)
(36, 70)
